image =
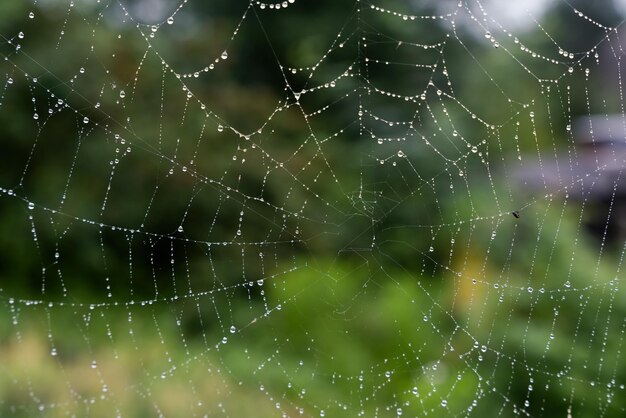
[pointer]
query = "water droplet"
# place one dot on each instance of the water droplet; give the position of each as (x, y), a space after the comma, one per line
(444, 403)
(122, 94)
(220, 128)
(35, 116)
(85, 119)
(170, 20)
(31, 15)
(31, 205)
(20, 35)
(180, 228)
(224, 55)
(400, 154)
(233, 329)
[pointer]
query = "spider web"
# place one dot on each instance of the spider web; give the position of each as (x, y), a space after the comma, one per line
(310, 208)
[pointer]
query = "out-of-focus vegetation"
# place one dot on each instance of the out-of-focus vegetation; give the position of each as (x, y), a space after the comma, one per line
(165, 216)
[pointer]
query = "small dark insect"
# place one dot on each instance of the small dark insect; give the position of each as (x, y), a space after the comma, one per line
(515, 213)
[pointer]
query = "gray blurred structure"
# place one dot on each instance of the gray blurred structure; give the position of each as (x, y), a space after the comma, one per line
(592, 172)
